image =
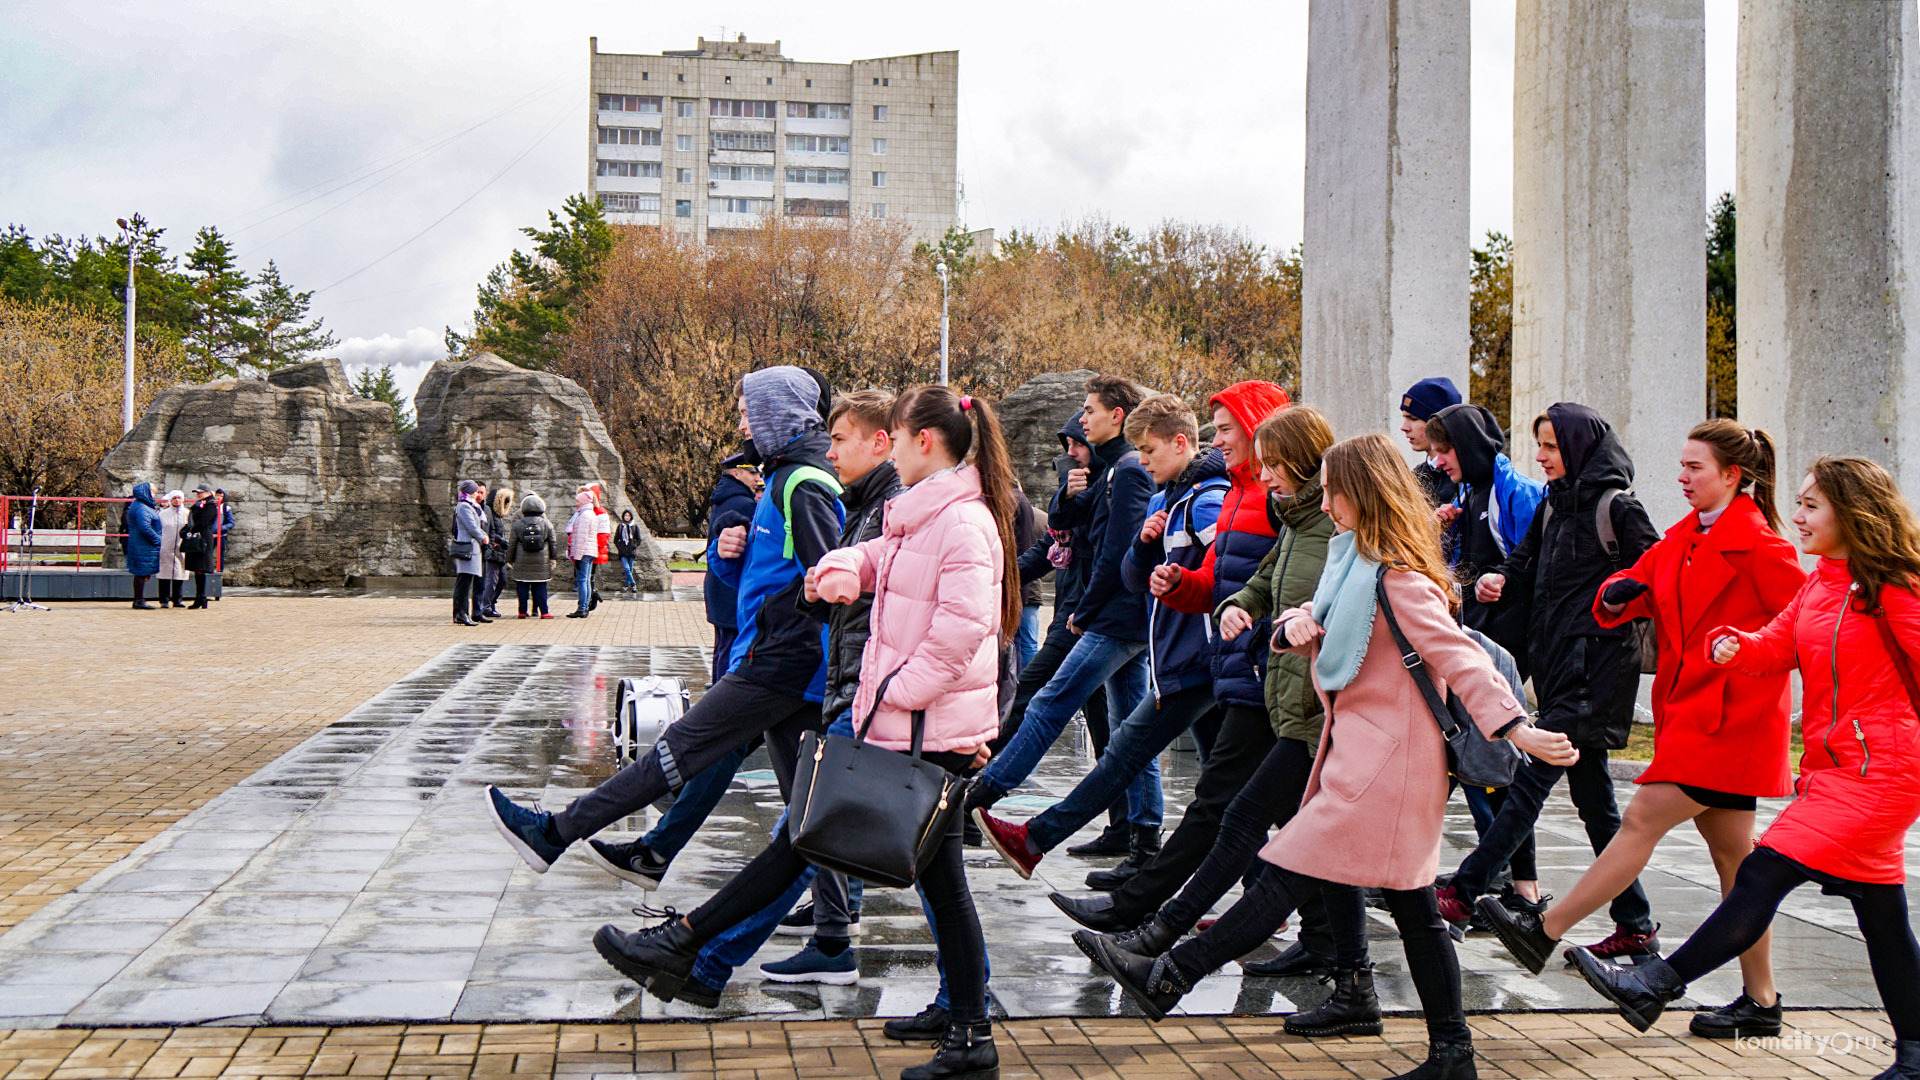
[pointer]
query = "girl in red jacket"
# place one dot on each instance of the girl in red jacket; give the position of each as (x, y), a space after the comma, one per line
(1852, 632)
(1720, 737)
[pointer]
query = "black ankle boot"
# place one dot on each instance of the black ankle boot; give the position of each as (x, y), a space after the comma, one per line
(1906, 1061)
(1354, 1009)
(659, 958)
(1142, 845)
(967, 1053)
(1156, 984)
(1295, 959)
(1151, 938)
(1113, 840)
(1640, 992)
(1445, 1061)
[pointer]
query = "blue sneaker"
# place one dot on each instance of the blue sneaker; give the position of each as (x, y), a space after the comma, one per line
(810, 965)
(525, 830)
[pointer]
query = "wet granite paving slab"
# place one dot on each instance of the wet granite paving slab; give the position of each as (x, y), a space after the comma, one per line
(357, 878)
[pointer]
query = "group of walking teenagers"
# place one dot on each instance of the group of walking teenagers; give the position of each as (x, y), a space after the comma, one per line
(496, 541)
(1284, 597)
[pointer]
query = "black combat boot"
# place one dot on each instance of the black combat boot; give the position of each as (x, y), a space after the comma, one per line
(1641, 992)
(1142, 845)
(1445, 1061)
(659, 958)
(1906, 1061)
(966, 1053)
(1354, 1009)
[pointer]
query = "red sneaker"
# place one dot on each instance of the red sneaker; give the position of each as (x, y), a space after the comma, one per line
(1625, 944)
(526, 616)
(1453, 907)
(1009, 840)
(1204, 925)
(545, 615)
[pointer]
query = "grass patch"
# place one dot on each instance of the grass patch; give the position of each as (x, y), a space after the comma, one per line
(685, 564)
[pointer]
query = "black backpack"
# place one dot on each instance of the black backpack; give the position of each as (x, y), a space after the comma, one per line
(1643, 631)
(531, 538)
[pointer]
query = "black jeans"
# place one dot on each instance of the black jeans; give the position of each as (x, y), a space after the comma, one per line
(1245, 740)
(1591, 789)
(1039, 670)
(1270, 797)
(727, 716)
(1430, 956)
(956, 925)
(1763, 881)
(466, 595)
(199, 588)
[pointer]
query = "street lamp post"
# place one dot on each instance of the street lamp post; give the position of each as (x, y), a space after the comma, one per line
(941, 269)
(126, 371)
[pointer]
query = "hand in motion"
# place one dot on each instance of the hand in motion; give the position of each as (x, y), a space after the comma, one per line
(1489, 588)
(982, 754)
(1446, 514)
(1725, 648)
(1301, 629)
(1073, 627)
(1234, 621)
(813, 584)
(732, 542)
(1165, 579)
(1154, 527)
(1621, 593)
(1076, 482)
(1549, 746)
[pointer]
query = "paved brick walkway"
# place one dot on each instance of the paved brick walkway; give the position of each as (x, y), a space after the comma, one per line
(116, 723)
(1542, 1045)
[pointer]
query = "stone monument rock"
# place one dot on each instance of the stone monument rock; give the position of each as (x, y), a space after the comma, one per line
(1031, 417)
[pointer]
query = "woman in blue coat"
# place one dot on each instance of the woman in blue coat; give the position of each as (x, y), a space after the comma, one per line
(143, 542)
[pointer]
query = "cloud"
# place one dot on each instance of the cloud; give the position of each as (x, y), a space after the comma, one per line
(411, 354)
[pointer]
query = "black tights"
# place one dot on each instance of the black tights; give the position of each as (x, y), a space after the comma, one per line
(956, 925)
(170, 590)
(1430, 956)
(1763, 881)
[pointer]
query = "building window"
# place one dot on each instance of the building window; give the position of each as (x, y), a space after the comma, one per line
(809, 84)
(886, 82)
(629, 136)
(644, 76)
(879, 210)
(876, 80)
(725, 107)
(683, 142)
(809, 111)
(729, 80)
(721, 205)
(769, 80)
(629, 202)
(880, 147)
(830, 208)
(879, 179)
(758, 173)
(632, 103)
(797, 175)
(630, 168)
(683, 176)
(683, 208)
(681, 77)
(685, 107)
(741, 140)
(879, 114)
(819, 144)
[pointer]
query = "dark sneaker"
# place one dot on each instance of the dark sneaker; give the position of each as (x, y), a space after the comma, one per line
(1640, 992)
(1096, 913)
(1625, 944)
(1454, 907)
(1741, 1020)
(1111, 841)
(799, 922)
(1520, 932)
(525, 830)
(695, 992)
(1009, 841)
(658, 957)
(632, 861)
(810, 965)
(930, 1026)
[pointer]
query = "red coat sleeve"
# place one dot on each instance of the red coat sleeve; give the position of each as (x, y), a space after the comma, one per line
(1194, 593)
(1770, 650)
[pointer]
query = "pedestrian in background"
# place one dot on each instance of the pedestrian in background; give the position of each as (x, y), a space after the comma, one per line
(500, 522)
(225, 545)
(531, 556)
(199, 538)
(626, 540)
(142, 542)
(583, 539)
(470, 543)
(173, 566)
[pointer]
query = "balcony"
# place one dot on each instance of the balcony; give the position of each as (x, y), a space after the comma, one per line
(733, 221)
(827, 192)
(628, 119)
(627, 152)
(816, 160)
(649, 185)
(740, 157)
(739, 123)
(738, 189)
(617, 218)
(803, 126)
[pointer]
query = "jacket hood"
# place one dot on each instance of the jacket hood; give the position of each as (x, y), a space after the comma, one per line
(1073, 431)
(1206, 466)
(879, 480)
(1476, 438)
(920, 503)
(782, 403)
(1251, 402)
(726, 489)
(143, 492)
(533, 506)
(1589, 449)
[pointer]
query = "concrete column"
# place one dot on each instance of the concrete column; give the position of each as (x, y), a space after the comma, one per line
(1829, 240)
(1609, 211)
(1385, 277)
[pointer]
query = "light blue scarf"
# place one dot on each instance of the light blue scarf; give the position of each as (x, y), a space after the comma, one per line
(1343, 605)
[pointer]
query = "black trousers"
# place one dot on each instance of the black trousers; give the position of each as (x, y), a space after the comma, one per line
(1270, 797)
(1039, 670)
(956, 925)
(1763, 881)
(199, 589)
(140, 588)
(728, 716)
(466, 595)
(170, 589)
(1245, 740)
(1430, 957)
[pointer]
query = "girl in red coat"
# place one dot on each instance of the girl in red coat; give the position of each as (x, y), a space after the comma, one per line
(1720, 736)
(1852, 632)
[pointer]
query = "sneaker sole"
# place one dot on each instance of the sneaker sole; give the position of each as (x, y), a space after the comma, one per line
(825, 978)
(914, 1036)
(1083, 940)
(1352, 1027)
(1627, 1012)
(631, 877)
(532, 859)
(980, 819)
(853, 930)
(1744, 1031)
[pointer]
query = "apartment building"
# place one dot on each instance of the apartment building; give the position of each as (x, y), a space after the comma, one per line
(710, 139)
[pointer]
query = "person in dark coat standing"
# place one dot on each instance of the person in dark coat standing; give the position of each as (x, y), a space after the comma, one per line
(531, 556)
(143, 542)
(203, 524)
(626, 543)
(730, 504)
(500, 522)
(1585, 676)
(470, 526)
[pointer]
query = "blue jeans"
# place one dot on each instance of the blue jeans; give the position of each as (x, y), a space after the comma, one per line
(583, 580)
(1094, 660)
(626, 567)
(690, 808)
(1026, 640)
(1135, 747)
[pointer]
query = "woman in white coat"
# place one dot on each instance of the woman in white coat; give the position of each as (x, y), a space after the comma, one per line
(173, 564)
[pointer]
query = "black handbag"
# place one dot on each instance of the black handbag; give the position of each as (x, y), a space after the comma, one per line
(193, 542)
(869, 812)
(1472, 758)
(459, 549)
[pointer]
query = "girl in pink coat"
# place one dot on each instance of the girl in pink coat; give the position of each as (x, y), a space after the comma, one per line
(1377, 795)
(1853, 632)
(946, 591)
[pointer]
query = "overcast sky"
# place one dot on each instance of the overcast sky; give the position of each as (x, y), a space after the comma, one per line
(251, 116)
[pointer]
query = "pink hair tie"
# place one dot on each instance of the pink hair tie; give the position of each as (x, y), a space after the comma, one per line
(966, 402)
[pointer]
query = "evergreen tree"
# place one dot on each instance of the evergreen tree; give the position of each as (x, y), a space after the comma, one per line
(220, 334)
(1723, 378)
(377, 384)
(281, 335)
(527, 304)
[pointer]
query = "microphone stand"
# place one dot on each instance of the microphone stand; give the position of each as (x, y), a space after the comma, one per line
(25, 602)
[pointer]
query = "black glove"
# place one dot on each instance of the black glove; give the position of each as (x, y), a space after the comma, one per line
(1620, 593)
